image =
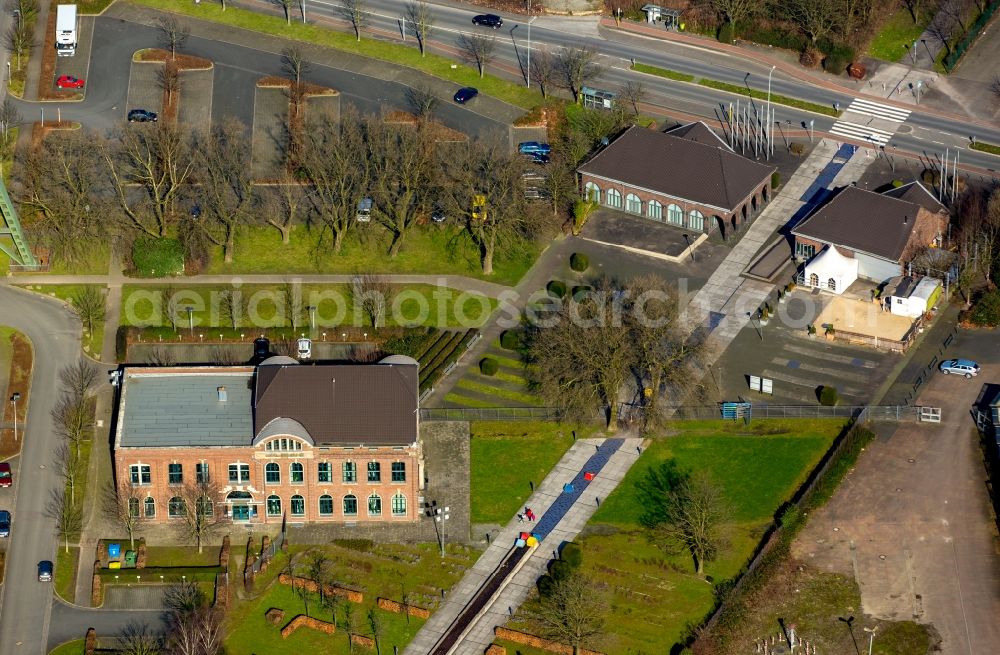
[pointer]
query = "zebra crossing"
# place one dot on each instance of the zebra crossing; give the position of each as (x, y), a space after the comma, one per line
(851, 126)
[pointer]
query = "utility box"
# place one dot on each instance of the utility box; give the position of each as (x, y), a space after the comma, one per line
(130, 558)
(114, 551)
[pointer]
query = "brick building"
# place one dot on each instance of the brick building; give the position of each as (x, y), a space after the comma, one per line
(686, 177)
(310, 443)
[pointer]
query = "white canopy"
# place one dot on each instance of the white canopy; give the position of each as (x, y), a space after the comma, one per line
(831, 271)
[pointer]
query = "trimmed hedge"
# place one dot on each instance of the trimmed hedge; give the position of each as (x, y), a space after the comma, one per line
(556, 288)
(488, 366)
(154, 257)
(986, 311)
(511, 340)
(828, 396)
(579, 262)
(572, 554)
(414, 343)
(775, 180)
(579, 290)
(456, 346)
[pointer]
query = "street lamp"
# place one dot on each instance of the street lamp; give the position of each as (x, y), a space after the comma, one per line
(312, 317)
(760, 328)
(441, 516)
(770, 139)
(13, 401)
(871, 638)
(687, 240)
(530, 21)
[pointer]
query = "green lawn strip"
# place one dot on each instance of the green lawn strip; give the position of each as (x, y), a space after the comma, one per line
(431, 353)
(405, 55)
(439, 354)
(503, 376)
(92, 342)
(762, 95)
(662, 72)
(986, 147)
(898, 34)
(92, 7)
(520, 649)
(75, 647)
(507, 457)
(7, 161)
(157, 575)
(166, 556)
(427, 250)
(65, 573)
(505, 361)
(524, 399)
(456, 399)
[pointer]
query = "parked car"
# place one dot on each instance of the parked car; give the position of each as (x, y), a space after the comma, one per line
(6, 477)
(305, 348)
(965, 367)
(261, 348)
(45, 571)
(466, 94)
(4, 523)
(142, 116)
(438, 216)
(69, 82)
(540, 158)
(488, 20)
(533, 148)
(364, 213)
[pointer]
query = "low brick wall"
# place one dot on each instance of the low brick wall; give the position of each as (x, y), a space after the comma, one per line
(90, 643)
(361, 640)
(333, 590)
(390, 605)
(538, 642)
(95, 588)
(495, 649)
(303, 621)
(224, 553)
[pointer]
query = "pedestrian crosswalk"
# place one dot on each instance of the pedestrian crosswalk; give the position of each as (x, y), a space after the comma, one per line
(852, 124)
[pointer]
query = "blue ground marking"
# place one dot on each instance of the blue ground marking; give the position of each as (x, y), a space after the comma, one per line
(846, 151)
(822, 181)
(794, 363)
(714, 320)
(557, 511)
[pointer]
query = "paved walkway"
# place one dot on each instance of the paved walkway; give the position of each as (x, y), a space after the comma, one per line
(544, 501)
(724, 301)
(137, 597)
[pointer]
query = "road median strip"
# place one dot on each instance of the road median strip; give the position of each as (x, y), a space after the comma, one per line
(775, 98)
(986, 147)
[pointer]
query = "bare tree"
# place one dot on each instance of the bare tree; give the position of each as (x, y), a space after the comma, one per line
(816, 18)
(994, 86)
(295, 67)
(27, 8)
(421, 20)
(560, 182)
(940, 31)
(200, 516)
(573, 613)
(70, 468)
(736, 11)
(377, 628)
(79, 378)
(122, 504)
(632, 93)
(68, 516)
(194, 627)
(291, 296)
(370, 295)
(173, 35)
(544, 70)
(422, 100)
(319, 565)
(284, 204)
(231, 305)
(286, 6)
(576, 66)
(478, 50)
(74, 419)
(356, 13)
(89, 305)
(913, 6)
(10, 117)
(17, 40)
(137, 639)
(160, 356)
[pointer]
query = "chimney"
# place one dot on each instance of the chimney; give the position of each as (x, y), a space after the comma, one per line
(222, 394)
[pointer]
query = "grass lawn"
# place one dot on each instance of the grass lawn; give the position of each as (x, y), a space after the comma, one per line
(91, 342)
(7, 161)
(652, 595)
(74, 647)
(507, 457)
(388, 570)
(410, 305)
(181, 556)
(899, 32)
(427, 250)
(398, 53)
(662, 72)
(66, 565)
(505, 397)
(986, 147)
(96, 264)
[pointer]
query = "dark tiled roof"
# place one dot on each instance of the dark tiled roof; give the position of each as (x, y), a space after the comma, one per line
(345, 404)
(862, 220)
(680, 167)
(918, 194)
(699, 132)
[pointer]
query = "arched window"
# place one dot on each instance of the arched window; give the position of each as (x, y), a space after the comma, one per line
(176, 507)
(399, 504)
(831, 284)
(298, 505)
(675, 214)
(614, 198)
(696, 220)
(654, 210)
(149, 505)
(273, 506)
(592, 191)
(204, 506)
(350, 505)
(814, 280)
(272, 473)
(325, 505)
(297, 473)
(374, 505)
(633, 204)
(133, 507)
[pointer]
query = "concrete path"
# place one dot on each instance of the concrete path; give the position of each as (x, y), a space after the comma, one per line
(724, 301)
(523, 581)
(138, 597)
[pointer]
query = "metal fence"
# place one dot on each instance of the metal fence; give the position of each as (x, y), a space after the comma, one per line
(974, 31)
(490, 414)
(265, 556)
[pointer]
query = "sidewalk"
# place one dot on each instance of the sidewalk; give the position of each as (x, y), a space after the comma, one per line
(523, 581)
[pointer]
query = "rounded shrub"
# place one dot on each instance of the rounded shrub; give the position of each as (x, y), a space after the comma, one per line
(579, 262)
(580, 290)
(545, 585)
(828, 396)
(488, 366)
(556, 288)
(837, 59)
(510, 340)
(986, 311)
(775, 180)
(572, 554)
(726, 33)
(560, 570)
(897, 183)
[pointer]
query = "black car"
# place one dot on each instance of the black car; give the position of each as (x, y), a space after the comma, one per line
(141, 116)
(466, 94)
(4, 523)
(488, 20)
(261, 348)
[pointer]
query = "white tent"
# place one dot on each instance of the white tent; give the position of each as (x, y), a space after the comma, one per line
(831, 271)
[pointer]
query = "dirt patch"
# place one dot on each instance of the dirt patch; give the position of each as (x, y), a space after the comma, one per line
(21, 364)
(47, 78)
(307, 89)
(181, 61)
(40, 131)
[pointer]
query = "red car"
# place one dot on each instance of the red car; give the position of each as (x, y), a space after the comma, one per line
(6, 479)
(69, 82)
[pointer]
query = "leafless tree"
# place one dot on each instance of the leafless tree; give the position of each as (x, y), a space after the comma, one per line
(10, 117)
(160, 356)
(231, 305)
(173, 35)
(478, 50)
(573, 613)
(68, 516)
(370, 295)
(284, 203)
(576, 66)
(913, 6)
(544, 70)
(356, 13)
(168, 80)
(79, 378)
(227, 183)
(122, 504)
(291, 296)
(632, 93)
(201, 518)
(319, 565)
(27, 8)
(736, 11)
(995, 86)
(74, 419)
(816, 18)
(148, 168)
(940, 31)
(560, 182)
(422, 100)
(195, 628)
(89, 305)
(421, 21)
(295, 67)
(286, 6)
(17, 40)
(70, 468)
(137, 639)
(957, 11)
(377, 627)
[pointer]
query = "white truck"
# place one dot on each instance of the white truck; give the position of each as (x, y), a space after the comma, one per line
(66, 30)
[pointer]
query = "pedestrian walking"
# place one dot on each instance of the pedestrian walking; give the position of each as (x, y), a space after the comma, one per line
(598, 498)
(520, 518)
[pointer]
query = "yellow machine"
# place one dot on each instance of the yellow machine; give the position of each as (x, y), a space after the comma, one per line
(479, 207)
